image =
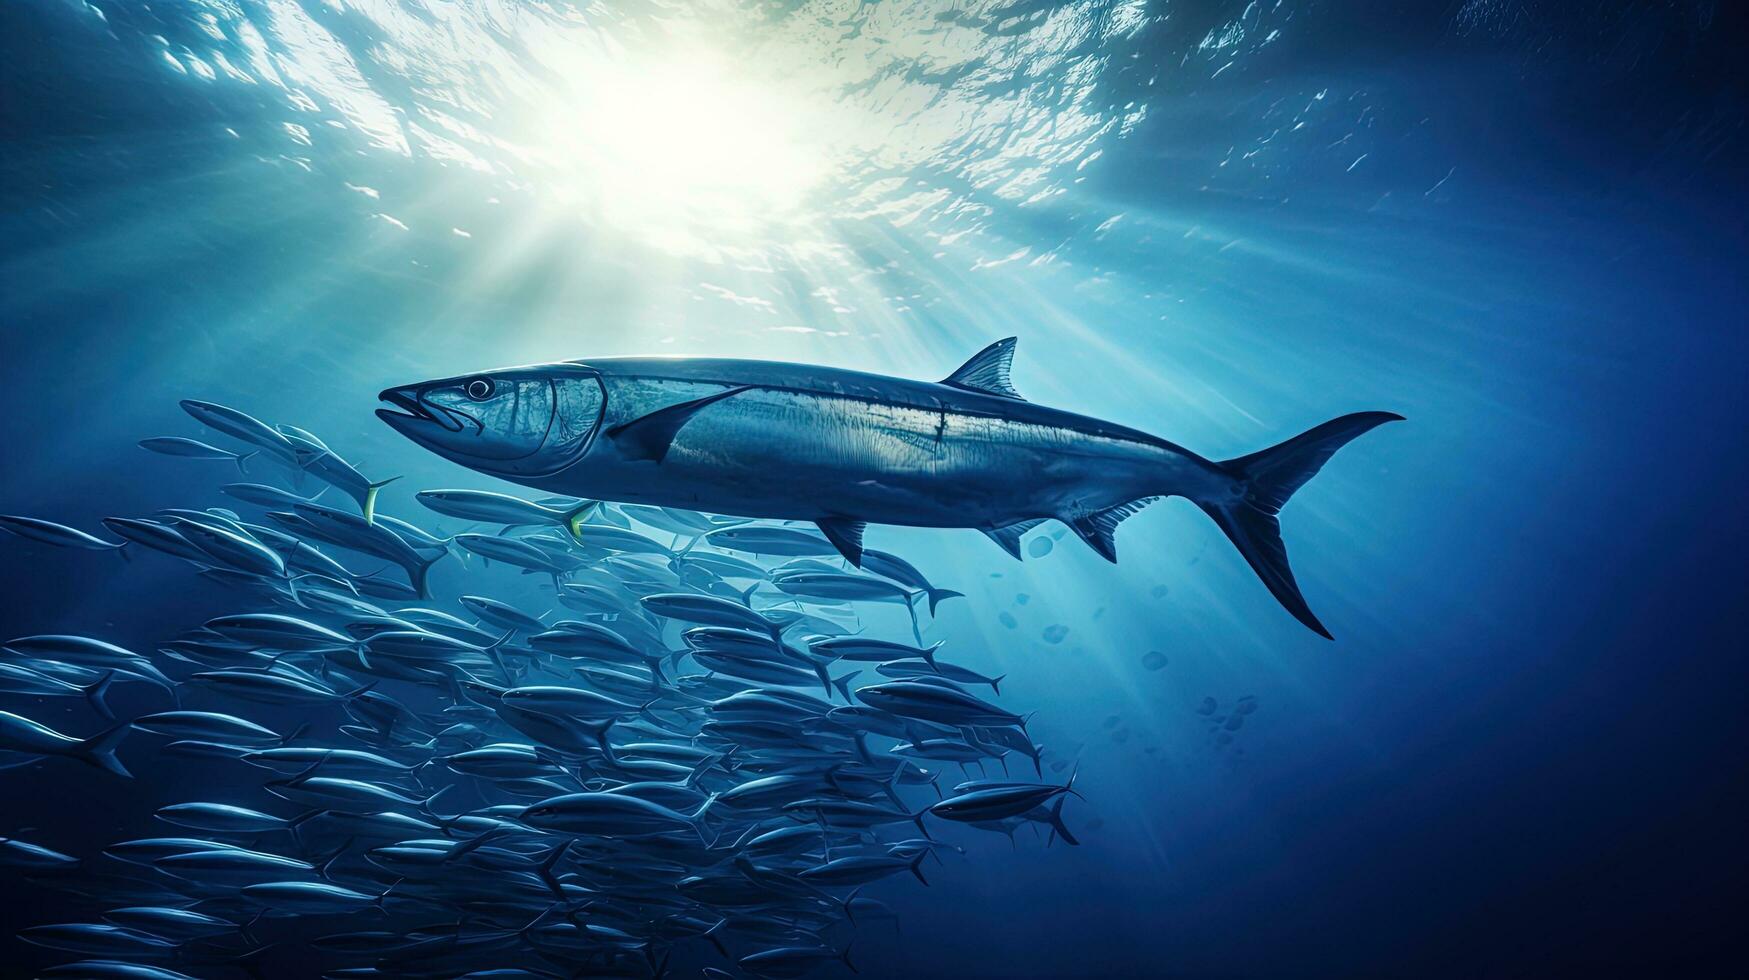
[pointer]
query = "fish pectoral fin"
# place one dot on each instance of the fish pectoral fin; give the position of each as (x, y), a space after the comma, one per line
(846, 536)
(1009, 535)
(650, 436)
(987, 371)
(1099, 529)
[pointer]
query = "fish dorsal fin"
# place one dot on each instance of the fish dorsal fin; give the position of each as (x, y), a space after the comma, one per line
(987, 371)
(649, 436)
(846, 536)
(1009, 536)
(1099, 529)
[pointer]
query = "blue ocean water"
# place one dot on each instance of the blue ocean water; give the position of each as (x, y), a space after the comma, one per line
(1519, 225)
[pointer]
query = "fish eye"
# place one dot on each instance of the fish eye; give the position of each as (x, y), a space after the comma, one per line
(479, 389)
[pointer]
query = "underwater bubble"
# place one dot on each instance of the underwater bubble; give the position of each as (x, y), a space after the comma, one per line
(1153, 660)
(1056, 633)
(1022, 599)
(1207, 707)
(1007, 620)
(1039, 547)
(1159, 591)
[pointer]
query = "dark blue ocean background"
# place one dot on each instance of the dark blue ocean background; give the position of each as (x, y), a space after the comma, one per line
(1519, 224)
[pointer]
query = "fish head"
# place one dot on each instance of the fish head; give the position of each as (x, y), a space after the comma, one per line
(514, 423)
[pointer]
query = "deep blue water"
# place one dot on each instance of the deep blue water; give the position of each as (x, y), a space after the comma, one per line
(1518, 224)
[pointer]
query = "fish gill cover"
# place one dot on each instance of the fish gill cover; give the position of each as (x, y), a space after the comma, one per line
(285, 695)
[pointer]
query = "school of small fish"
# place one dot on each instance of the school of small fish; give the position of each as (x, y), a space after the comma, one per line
(675, 730)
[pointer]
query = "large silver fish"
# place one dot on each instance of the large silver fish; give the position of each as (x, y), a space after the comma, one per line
(845, 449)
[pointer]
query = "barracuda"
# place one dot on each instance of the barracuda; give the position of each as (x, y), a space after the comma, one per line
(845, 449)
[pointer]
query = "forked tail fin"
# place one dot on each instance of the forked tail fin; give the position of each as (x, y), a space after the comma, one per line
(95, 691)
(937, 595)
(575, 517)
(369, 504)
(1268, 478)
(419, 574)
(99, 750)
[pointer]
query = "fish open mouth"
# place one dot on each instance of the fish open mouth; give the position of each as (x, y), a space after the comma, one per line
(414, 412)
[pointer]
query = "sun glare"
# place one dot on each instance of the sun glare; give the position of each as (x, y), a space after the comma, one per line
(682, 146)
